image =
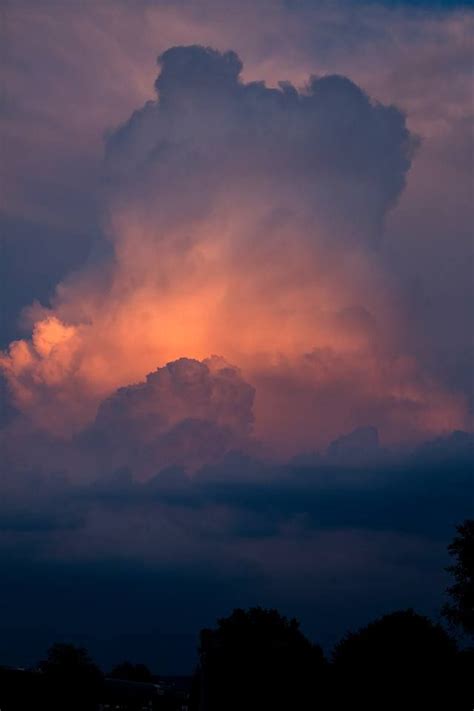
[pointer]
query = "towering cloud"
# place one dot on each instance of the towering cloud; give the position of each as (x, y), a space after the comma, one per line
(244, 221)
(186, 414)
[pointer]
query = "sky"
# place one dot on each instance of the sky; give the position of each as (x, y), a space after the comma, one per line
(236, 326)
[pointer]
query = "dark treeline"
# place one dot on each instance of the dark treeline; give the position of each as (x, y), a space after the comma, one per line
(257, 659)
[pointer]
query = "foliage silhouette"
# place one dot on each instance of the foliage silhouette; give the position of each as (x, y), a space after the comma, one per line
(460, 611)
(402, 660)
(71, 678)
(258, 659)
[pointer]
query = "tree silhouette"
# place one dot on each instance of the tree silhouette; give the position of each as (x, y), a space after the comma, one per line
(72, 679)
(460, 611)
(258, 659)
(402, 660)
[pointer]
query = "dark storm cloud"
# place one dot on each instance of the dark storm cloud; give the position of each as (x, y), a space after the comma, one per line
(427, 6)
(159, 559)
(422, 492)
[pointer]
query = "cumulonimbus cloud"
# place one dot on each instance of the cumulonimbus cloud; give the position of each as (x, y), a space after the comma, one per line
(185, 414)
(244, 221)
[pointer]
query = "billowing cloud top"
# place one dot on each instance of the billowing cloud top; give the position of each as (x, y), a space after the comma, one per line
(185, 414)
(244, 221)
(326, 152)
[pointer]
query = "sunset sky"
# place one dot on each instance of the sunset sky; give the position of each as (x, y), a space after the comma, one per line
(236, 337)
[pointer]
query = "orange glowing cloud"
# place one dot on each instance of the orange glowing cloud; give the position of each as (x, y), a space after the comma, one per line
(244, 222)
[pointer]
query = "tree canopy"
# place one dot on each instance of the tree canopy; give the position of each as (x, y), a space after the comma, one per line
(460, 611)
(70, 674)
(394, 660)
(256, 659)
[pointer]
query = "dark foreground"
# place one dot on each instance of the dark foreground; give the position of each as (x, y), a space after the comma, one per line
(258, 660)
